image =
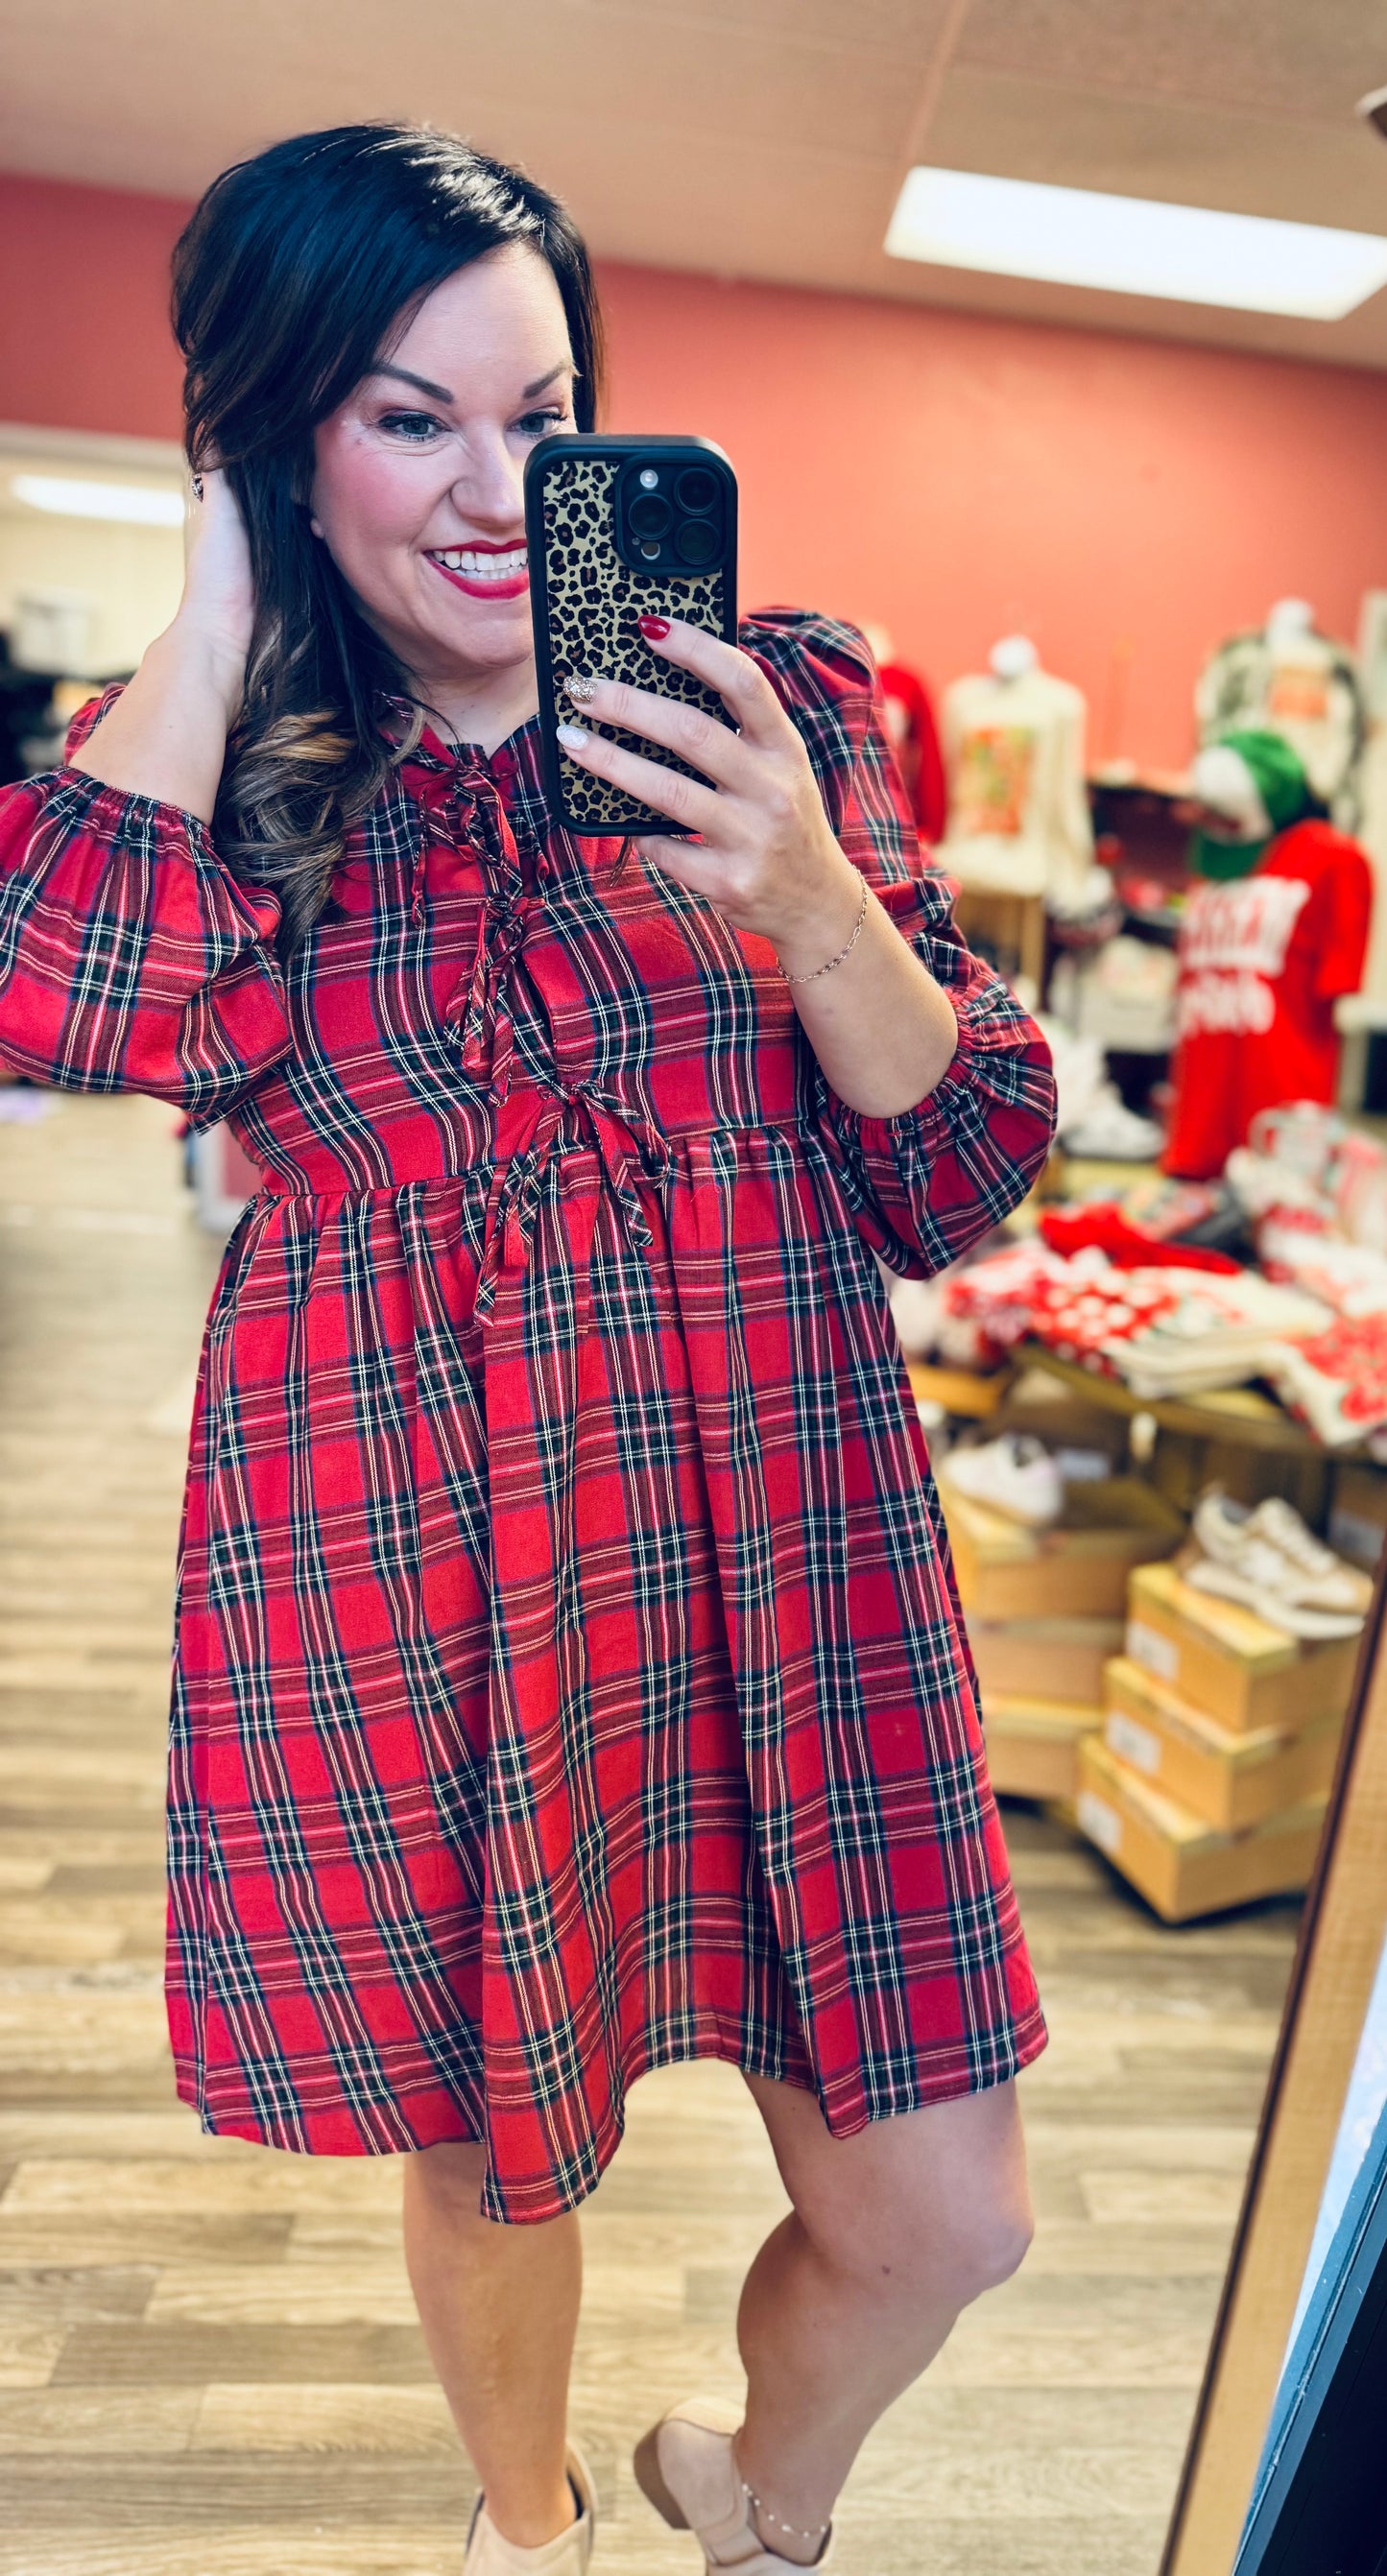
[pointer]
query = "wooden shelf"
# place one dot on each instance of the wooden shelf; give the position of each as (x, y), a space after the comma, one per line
(1238, 1413)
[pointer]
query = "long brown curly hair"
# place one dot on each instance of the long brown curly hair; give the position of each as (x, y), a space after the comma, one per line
(296, 269)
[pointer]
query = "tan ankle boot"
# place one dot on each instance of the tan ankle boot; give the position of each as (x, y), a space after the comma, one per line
(686, 2466)
(567, 2554)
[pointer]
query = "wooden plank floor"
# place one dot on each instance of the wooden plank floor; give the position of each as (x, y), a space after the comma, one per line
(208, 2360)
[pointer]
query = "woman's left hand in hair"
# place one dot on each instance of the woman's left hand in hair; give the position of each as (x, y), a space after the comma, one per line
(766, 856)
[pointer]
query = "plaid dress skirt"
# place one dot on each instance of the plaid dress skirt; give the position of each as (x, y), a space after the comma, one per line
(568, 1674)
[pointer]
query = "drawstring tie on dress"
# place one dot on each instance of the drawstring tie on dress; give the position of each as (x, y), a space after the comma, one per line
(555, 1118)
(539, 1121)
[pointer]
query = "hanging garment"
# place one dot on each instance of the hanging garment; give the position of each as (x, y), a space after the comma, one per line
(569, 1677)
(1262, 961)
(1372, 832)
(914, 739)
(1019, 820)
(1304, 687)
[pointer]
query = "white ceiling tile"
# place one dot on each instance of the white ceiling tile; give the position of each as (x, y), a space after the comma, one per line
(1023, 128)
(1288, 57)
(905, 26)
(759, 138)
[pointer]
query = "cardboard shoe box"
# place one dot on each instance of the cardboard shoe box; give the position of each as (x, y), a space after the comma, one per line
(1077, 1569)
(1030, 1659)
(1224, 1660)
(1231, 1780)
(1033, 1744)
(1182, 1865)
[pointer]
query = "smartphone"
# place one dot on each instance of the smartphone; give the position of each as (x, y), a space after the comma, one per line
(618, 529)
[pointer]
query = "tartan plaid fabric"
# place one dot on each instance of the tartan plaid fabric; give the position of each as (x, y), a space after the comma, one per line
(568, 1675)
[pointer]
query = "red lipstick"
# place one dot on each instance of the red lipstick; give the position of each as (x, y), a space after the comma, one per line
(513, 586)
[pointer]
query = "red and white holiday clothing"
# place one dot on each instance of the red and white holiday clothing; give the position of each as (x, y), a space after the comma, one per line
(569, 1674)
(1263, 959)
(914, 738)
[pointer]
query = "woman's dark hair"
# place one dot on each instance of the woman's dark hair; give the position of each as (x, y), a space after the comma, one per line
(295, 272)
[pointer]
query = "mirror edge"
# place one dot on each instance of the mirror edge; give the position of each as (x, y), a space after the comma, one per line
(1342, 1932)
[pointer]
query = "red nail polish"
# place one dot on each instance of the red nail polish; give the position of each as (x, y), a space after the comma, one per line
(655, 628)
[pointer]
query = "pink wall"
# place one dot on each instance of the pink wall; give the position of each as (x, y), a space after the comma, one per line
(948, 475)
(952, 477)
(84, 308)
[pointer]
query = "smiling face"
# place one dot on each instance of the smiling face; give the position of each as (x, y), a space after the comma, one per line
(418, 485)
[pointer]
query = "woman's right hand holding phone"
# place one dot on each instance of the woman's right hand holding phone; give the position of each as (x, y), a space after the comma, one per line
(165, 736)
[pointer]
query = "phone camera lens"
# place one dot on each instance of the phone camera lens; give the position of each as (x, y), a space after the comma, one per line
(650, 515)
(697, 490)
(696, 542)
(650, 548)
(648, 478)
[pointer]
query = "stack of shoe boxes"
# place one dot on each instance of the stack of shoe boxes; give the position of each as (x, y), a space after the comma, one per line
(1044, 1613)
(1207, 1786)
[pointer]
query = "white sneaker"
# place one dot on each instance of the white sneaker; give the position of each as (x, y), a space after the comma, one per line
(1110, 1132)
(1270, 1561)
(567, 2554)
(1328, 1583)
(1014, 1475)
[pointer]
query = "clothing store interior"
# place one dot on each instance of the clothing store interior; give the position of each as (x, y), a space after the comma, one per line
(1047, 343)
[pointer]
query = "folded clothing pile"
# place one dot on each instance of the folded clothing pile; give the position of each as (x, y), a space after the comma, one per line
(1304, 1178)
(1315, 1192)
(1163, 1330)
(1335, 1380)
(1123, 995)
(1105, 1226)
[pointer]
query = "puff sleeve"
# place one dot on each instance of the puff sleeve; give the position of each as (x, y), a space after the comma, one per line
(130, 958)
(923, 1186)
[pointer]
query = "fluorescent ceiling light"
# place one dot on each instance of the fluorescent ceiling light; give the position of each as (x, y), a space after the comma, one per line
(148, 505)
(1134, 245)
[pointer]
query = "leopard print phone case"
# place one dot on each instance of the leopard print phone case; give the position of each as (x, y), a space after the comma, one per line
(586, 595)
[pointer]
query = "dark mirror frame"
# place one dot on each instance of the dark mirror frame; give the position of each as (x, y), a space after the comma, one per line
(1341, 1940)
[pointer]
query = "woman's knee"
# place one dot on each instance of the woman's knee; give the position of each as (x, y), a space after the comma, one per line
(933, 2202)
(993, 2243)
(935, 2244)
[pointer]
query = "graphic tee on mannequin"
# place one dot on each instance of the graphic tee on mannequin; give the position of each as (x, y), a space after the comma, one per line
(1275, 930)
(1019, 820)
(1287, 678)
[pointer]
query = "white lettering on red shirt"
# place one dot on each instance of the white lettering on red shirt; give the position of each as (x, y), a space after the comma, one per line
(1232, 952)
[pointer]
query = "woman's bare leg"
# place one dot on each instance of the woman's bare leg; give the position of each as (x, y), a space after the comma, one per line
(893, 2232)
(499, 2308)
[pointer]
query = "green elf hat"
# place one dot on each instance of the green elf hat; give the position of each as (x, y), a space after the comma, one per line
(1258, 782)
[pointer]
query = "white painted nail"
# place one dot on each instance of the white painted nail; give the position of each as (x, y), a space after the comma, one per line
(572, 737)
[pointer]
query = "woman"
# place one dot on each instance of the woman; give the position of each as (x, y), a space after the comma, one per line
(568, 1675)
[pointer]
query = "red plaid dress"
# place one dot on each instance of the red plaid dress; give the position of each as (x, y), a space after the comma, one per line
(568, 1675)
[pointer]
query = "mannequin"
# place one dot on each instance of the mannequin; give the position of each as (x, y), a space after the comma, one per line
(1013, 657)
(1019, 819)
(1286, 677)
(1275, 931)
(914, 734)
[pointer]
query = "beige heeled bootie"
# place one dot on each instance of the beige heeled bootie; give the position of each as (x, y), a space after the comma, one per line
(686, 2466)
(567, 2554)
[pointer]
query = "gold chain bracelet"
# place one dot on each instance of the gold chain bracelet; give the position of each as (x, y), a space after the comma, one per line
(830, 963)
